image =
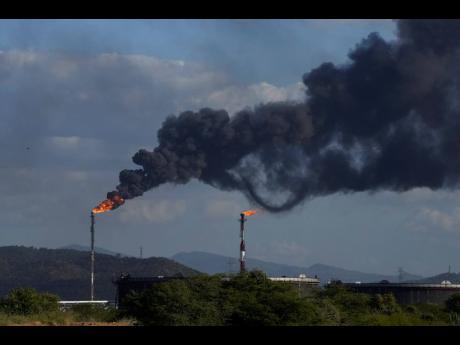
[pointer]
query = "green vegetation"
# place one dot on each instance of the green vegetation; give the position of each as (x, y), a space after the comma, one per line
(453, 304)
(94, 313)
(252, 299)
(27, 301)
(26, 306)
(248, 299)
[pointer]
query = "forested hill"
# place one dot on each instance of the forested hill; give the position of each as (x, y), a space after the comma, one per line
(214, 263)
(66, 272)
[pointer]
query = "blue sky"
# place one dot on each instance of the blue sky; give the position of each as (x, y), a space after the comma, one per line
(85, 95)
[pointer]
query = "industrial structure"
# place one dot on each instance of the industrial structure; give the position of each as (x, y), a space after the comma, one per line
(409, 293)
(242, 244)
(243, 219)
(125, 284)
(302, 279)
(63, 305)
(305, 285)
(92, 256)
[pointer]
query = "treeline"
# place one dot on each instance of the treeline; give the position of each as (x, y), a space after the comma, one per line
(66, 272)
(251, 299)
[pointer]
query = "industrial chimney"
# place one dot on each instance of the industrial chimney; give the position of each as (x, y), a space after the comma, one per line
(92, 256)
(242, 244)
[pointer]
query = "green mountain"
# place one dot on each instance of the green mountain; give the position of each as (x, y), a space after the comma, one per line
(66, 272)
(96, 249)
(214, 263)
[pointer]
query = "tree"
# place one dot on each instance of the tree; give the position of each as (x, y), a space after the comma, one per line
(253, 299)
(346, 300)
(246, 299)
(26, 301)
(177, 303)
(452, 304)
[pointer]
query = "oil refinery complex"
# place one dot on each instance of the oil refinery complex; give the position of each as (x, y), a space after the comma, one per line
(405, 293)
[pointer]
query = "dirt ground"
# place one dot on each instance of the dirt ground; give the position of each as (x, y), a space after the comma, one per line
(105, 324)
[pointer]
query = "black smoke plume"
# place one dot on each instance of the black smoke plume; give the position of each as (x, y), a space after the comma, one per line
(388, 119)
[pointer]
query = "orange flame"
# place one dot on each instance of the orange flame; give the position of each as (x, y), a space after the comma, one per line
(109, 204)
(249, 213)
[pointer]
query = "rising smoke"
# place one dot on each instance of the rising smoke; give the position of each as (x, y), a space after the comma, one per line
(389, 119)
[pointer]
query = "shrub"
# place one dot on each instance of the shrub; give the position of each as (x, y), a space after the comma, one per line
(385, 304)
(427, 317)
(329, 314)
(90, 312)
(411, 309)
(454, 319)
(27, 301)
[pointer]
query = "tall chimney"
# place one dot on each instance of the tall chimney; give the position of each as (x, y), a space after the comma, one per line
(242, 244)
(92, 256)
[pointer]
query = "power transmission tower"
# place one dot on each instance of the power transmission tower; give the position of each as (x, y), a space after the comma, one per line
(400, 274)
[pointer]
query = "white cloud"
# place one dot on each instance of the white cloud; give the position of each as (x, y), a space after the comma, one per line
(169, 73)
(271, 93)
(72, 143)
(147, 211)
(65, 143)
(234, 98)
(19, 58)
(114, 95)
(65, 68)
(429, 219)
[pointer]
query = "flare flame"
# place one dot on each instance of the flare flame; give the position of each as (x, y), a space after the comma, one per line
(248, 213)
(109, 204)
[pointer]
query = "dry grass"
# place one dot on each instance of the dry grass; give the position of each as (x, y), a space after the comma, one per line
(56, 319)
